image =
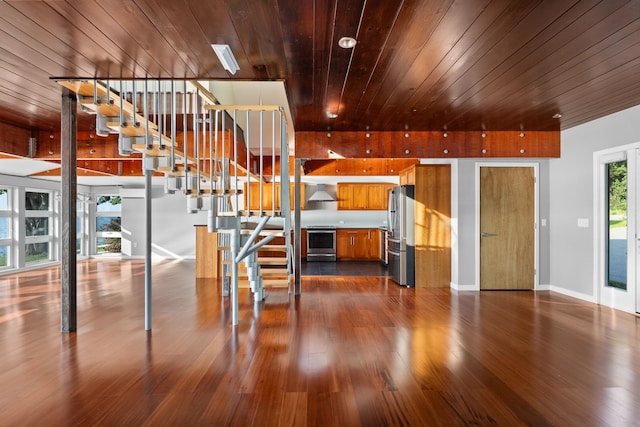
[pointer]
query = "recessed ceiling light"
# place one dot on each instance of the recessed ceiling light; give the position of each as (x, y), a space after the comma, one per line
(556, 116)
(347, 42)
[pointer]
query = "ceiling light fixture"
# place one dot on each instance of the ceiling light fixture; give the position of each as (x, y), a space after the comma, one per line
(347, 42)
(332, 115)
(556, 116)
(225, 55)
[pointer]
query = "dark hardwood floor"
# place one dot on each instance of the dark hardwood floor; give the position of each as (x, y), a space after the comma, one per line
(343, 268)
(350, 351)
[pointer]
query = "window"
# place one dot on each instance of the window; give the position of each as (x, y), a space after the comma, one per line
(108, 225)
(5, 227)
(38, 224)
(81, 228)
(616, 218)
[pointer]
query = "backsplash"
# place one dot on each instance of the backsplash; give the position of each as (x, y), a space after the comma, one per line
(343, 219)
(327, 213)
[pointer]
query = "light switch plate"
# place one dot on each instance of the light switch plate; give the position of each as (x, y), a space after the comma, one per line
(583, 222)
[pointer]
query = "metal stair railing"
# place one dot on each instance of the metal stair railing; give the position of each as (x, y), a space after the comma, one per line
(207, 167)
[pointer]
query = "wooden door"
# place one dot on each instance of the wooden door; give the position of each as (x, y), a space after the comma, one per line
(507, 227)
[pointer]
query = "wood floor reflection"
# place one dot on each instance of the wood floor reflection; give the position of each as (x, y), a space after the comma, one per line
(350, 351)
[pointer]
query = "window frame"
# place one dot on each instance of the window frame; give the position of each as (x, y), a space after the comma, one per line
(49, 237)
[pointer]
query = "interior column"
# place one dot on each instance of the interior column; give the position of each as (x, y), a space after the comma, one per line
(69, 181)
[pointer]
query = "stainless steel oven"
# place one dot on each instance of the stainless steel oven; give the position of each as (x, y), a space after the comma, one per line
(321, 243)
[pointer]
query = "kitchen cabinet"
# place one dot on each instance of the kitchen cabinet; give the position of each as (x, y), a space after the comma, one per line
(432, 215)
(363, 196)
(358, 243)
(267, 195)
(408, 176)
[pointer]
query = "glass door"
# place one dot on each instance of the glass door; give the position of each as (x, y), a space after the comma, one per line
(616, 225)
(618, 217)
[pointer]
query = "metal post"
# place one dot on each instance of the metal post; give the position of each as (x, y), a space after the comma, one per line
(235, 247)
(147, 254)
(298, 164)
(69, 181)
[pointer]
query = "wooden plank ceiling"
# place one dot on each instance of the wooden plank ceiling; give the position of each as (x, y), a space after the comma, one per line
(420, 65)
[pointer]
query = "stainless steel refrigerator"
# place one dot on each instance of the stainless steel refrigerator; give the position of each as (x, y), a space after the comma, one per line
(401, 241)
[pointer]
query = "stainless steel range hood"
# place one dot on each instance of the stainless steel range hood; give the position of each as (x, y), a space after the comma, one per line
(321, 195)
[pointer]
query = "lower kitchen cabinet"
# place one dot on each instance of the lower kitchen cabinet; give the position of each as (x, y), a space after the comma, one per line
(358, 244)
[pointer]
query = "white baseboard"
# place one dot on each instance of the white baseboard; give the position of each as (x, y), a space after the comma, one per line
(464, 288)
(574, 294)
(543, 287)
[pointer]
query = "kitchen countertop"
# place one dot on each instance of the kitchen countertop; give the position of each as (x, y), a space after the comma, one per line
(346, 226)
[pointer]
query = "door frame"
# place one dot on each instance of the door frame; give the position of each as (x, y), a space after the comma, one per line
(536, 214)
(628, 300)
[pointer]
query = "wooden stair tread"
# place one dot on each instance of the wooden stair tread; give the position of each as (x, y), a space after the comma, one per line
(282, 248)
(274, 271)
(242, 272)
(272, 260)
(267, 283)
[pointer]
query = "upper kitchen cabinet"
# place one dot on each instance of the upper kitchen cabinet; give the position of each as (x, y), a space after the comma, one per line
(268, 199)
(363, 196)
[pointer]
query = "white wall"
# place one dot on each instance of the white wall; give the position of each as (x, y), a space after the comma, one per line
(571, 197)
(173, 232)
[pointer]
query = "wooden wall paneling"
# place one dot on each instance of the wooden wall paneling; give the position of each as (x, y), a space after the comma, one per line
(14, 140)
(433, 225)
(394, 166)
(207, 254)
(433, 144)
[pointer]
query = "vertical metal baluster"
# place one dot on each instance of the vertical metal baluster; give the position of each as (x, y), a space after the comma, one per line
(146, 115)
(173, 126)
(196, 138)
(121, 104)
(134, 104)
(248, 144)
(184, 132)
(235, 155)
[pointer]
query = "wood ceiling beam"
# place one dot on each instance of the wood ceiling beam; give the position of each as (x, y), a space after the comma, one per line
(454, 144)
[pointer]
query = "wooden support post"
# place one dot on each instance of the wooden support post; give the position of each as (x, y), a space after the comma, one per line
(69, 181)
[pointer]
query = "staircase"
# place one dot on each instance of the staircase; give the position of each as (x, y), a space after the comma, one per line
(206, 151)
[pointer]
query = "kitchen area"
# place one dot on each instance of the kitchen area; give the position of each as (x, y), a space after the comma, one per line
(396, 226)
(399, 227)
(343, 228)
